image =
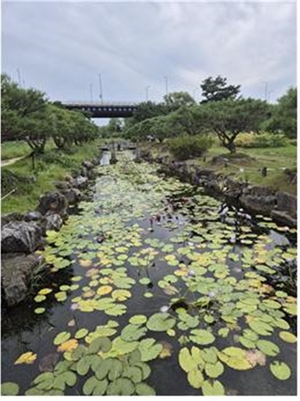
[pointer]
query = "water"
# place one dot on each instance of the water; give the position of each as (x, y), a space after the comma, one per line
(158, 228)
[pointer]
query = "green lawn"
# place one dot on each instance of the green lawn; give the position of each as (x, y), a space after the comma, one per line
(30, 183)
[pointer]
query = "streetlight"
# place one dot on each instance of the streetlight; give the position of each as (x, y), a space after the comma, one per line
(147, 92)
(166, 79)
(100, 87)
(91, 92)
(266, 90)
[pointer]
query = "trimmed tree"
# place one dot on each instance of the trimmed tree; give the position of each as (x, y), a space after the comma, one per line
(216, 89)
(229, 118)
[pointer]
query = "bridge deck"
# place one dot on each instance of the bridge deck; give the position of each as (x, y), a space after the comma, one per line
(104, 110)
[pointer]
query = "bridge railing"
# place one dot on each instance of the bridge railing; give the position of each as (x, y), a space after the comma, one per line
(98, 104)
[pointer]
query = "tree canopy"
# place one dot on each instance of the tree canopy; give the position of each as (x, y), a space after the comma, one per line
(216, 89)
(175, 100)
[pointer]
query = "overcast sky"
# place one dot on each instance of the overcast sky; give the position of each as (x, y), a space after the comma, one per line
(61, 47)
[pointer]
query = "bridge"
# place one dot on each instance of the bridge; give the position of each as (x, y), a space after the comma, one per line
(103, 110)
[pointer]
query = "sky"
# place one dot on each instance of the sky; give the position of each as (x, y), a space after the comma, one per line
(61, 47)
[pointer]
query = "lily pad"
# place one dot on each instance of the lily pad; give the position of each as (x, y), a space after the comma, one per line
(235, 358)
(288, 337)
(81, 333)
(161, 322)
(149, 349)
(268, 348)
(138, 319)
(133, 332)
(280, 370)
(202, 337)
(144, 389)
(213, 388)
(195, 378)
(61, 338)
(9, 388)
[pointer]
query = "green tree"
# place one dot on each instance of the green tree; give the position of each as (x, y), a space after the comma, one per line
(175, 100)
(284, 115)
(216, 89)
(147, 110)
(228, 118)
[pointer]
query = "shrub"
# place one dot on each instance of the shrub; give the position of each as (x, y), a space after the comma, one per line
(262, 140)
(186, 147)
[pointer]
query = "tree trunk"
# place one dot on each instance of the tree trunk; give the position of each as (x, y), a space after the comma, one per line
(231, 146)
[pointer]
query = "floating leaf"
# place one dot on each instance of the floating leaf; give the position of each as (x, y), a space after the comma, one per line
(288, 337)
(85, 263)
(81, 333)
(235, 358)
(133, 373)
(61, 338)
(145, 281)
(144, 389)
(166, 351)
(186, 360)
(68, 345)
(45, 291)
(161, 322)
(213, 387)
(133, 332)
(121, 386)
(260, 327)
(214, 370)
(27, 358)
(106, 289)
(99, 344)
(9, 388)
(39, 298)
(202, 337)
(138, 319)
(280, 370)
(149, 349)
(195, 378)
(93, 386)
(148, 295)
(268, 348)
(39, 311)
(120, 295)
(116, 310)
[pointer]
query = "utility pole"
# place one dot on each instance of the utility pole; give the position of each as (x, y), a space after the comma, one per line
(19, 77)
(91, 92)
(167, 89)
(266, 90)
(147, 92)
(100, 87)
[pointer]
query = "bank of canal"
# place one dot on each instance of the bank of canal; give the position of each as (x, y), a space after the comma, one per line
(156, 288)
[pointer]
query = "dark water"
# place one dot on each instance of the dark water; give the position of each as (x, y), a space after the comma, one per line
(23, 330)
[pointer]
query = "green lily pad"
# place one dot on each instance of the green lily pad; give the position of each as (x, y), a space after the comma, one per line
(93, 386)
(144, 389)
(9, 388)
(280, 370)
(81, 333)
(133, 332)
(268, 348)
(61, 338)
(202, 337)
(261, 328)
(145, 281)
(138, 319)
(288, 337)
(186, 360)
(213, 388)
(235, 358)
(149, 349)
(39, 311)
(195, 378)
(214, 370)
(161, 322)
(121, 386)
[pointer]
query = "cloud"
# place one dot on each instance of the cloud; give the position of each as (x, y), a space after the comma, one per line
(61, 47)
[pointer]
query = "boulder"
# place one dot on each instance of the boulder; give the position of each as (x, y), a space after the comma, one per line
(286, 202)
(7, 218)
(73, 195)
(62, 185)
(95, 161)
(33, 216)
(20, 236)
(258, 204)
(17, 270)
(80, 182)
(88, 165)
(283, 218)
(55, 202)
(53, 221)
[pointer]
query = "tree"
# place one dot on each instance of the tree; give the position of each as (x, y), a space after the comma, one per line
(284, 115)
(175, 100)
(147, 110)
(216, 89)
(228, 118)
(21, 109)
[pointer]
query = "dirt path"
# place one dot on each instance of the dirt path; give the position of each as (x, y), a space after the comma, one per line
(10, 161)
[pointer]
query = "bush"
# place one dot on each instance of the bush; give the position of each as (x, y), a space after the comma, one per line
(186, 147)
(263, 140)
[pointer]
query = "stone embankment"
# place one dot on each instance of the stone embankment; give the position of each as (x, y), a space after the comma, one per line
(23, 234)
(280, 206)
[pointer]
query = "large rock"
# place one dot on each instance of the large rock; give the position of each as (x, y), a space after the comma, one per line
(73, 195)
(286, 202)
(88, 165)
(283, 218)
(55, 202)
(258, 199)
(33, 216)
(80, 182)
(53, 221)
(16, 271)
(20, 236)
(8, 218)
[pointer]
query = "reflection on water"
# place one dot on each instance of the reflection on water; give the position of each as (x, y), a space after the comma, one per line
(105, 158)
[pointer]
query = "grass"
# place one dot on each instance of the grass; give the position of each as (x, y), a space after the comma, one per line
(275, 159)
(30, 183)
(14, 149)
